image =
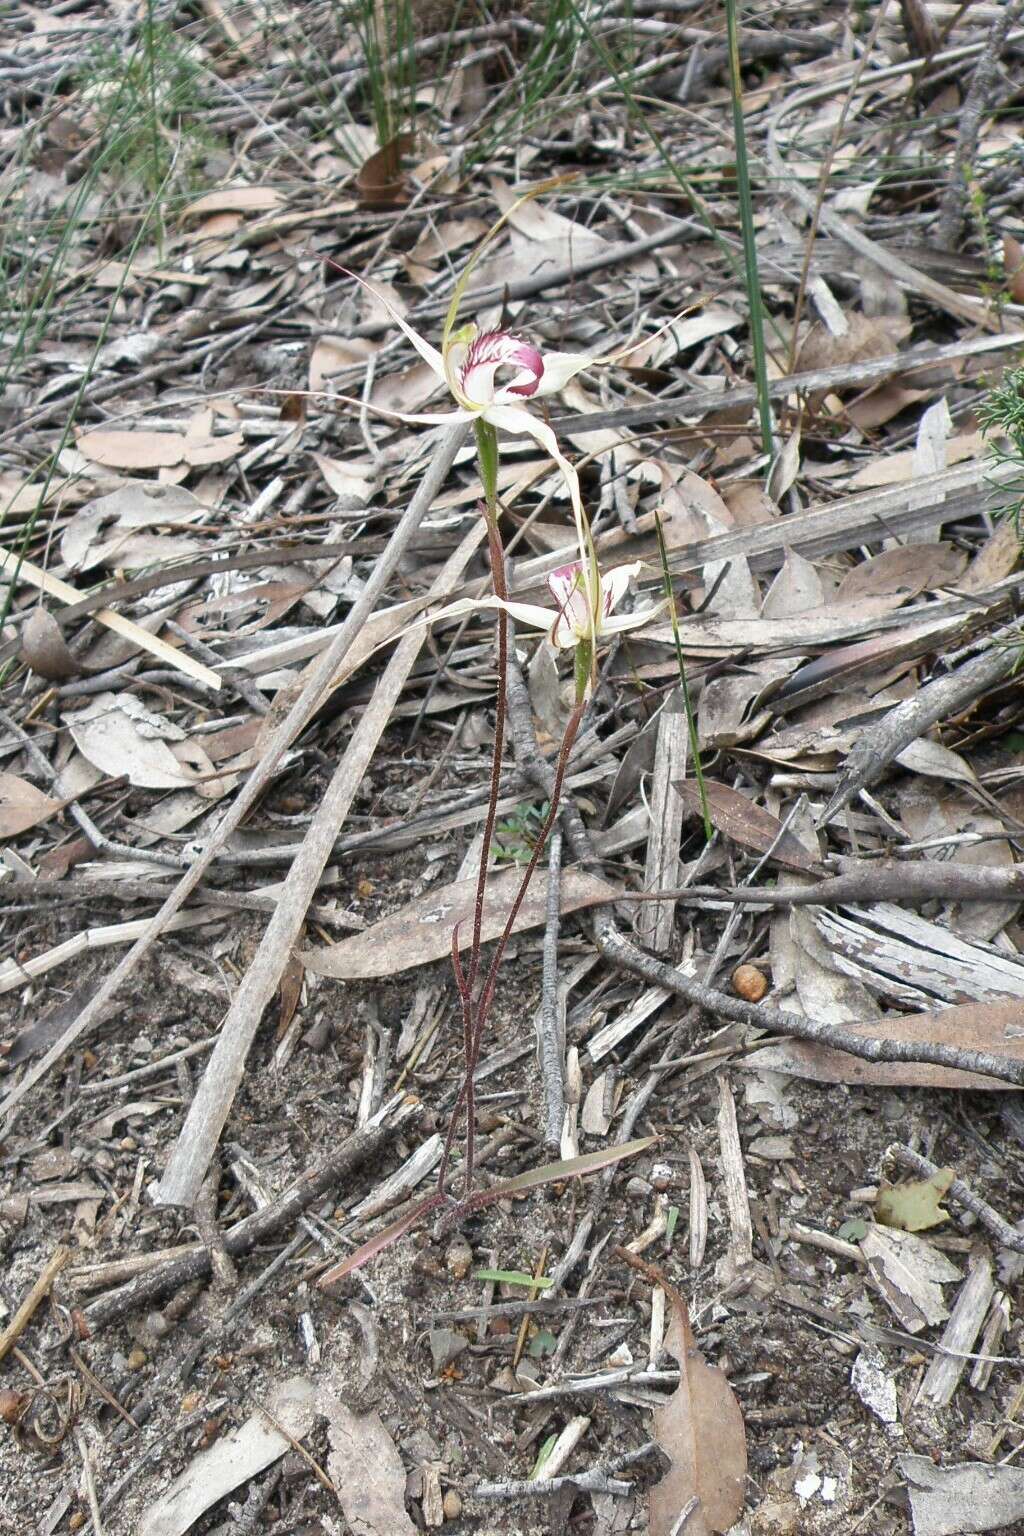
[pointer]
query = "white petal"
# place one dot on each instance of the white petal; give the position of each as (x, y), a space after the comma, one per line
(516, 419)
(559, 368)
(416, 419)
(626, 621)
(526, 613)
(428, 353)
(614, 584)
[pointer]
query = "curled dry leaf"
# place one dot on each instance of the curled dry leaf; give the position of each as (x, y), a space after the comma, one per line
(44, 649)
(701, 1429)
(381, 182)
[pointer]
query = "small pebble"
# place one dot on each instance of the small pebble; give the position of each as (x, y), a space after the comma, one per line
(661, 1176)
(137, 1359)
(452, 1505)
(749, 983)
(458, 1258)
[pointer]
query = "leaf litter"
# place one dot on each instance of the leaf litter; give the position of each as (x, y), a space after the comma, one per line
(191, 512)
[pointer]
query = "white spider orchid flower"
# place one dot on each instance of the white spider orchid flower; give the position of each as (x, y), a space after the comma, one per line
(491, 375)
(573, 622)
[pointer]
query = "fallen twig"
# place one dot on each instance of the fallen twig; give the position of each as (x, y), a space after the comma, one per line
(925, 880)
(597, 1480)
(39, 1288)
(877, 748)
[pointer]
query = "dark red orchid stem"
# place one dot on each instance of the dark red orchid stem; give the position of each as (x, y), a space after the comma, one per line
(483, 1007)
(466, 983)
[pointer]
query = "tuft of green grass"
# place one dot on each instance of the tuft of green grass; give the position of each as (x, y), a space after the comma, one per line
(149, 107)
(746, 202)
(387, 32)
(1001, 414)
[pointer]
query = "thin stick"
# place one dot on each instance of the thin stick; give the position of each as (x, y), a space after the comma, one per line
(551, 1062)
(194, 1262)
(40, 1287)
(295, 721)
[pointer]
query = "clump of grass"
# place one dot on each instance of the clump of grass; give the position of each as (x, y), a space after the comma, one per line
(1001, 414)
(149, 107)
(387, 32)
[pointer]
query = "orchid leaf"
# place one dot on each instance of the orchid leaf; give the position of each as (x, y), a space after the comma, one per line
(513, 1277)
(382, 1240)
(568, 1168)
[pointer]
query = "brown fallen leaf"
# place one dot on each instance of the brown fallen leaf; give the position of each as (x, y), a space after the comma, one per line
(748, 824)
(908, 570)
(995, 1027)
(422, 931)
(867, 337)
(45, 650)
(701, 1430)
(234, 200)
(22, 805)
(380, 182)
(157, 450)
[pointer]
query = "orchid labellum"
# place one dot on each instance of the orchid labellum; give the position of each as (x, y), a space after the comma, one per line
(578, 620)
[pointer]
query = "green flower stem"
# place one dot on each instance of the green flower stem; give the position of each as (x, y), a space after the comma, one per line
(691, 721)
(487, 458)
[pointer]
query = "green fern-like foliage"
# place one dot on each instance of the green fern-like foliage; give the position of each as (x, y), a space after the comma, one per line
(1001, 414)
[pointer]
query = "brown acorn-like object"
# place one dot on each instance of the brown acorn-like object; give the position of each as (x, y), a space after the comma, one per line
(12, 1405)
(749, 983)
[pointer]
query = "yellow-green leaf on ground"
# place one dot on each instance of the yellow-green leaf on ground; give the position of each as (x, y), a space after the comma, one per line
(914, 1207)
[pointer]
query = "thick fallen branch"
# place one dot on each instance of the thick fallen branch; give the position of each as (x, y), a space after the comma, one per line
(918, 882)
(946, 696)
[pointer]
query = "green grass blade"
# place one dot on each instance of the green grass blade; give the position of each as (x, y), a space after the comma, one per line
(691, 723)
(751, 275)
